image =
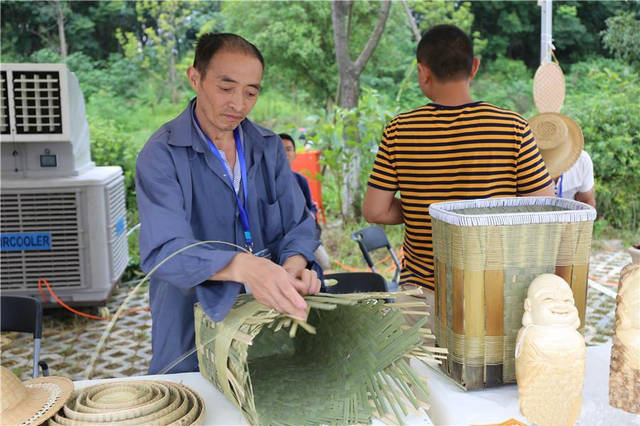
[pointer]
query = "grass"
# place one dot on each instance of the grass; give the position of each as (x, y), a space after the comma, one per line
(603, 232)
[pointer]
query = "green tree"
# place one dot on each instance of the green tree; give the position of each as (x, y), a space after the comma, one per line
(602, 96)
(295, 40)
(430, 13)
(512, 29)
(90, 26)
(349, 71)
(169, 28)
(622, 37)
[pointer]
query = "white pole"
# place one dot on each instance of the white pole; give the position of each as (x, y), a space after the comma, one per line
(546, 40)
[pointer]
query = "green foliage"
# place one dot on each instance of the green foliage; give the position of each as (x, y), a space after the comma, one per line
(602, 96)
(90, 26)
(622, 37)
(437, 12)
(296, 40)
(430, 13)
(569, 33)
(512, 29)
(175, 24)
(136, 118)
(393, 56)
(343, 135)
(506, 83)
(281, 113)
(111, 146)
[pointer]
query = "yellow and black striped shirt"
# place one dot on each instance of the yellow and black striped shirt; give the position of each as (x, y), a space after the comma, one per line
(440, 153)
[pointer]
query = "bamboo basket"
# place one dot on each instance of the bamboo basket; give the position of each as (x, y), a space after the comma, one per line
(486, 253)
(346, 365)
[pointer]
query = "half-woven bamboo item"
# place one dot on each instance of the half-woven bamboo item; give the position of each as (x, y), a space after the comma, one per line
(347, 364)
(486, 253)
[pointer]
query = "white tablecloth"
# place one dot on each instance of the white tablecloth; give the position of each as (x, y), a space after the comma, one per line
(219, 410)
(450, 405)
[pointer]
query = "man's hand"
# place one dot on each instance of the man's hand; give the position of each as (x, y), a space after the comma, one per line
(296, 266)
(271, 284)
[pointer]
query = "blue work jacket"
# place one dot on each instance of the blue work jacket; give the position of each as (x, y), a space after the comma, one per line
(303, 183)
(184, 197)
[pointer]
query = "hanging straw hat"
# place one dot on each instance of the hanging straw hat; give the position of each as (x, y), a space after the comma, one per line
(548, 87)
(31, 402)
(559, 139)
(133, 402)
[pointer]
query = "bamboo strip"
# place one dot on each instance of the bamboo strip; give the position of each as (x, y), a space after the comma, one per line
(458, 323)
(579, 277)
(441, 295)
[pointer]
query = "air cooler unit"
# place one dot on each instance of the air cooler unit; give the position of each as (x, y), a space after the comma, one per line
(62, 218)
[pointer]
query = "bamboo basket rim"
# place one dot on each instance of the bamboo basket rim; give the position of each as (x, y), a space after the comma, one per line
(574, 211)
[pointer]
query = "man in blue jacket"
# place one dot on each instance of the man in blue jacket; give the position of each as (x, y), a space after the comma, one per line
(212, 174)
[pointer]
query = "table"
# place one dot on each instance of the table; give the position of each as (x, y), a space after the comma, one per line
(219, 410)
(452, 405)
(449, 403)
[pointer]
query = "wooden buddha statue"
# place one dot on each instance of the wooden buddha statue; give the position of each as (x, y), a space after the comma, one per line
(550, 354)
(624, 377)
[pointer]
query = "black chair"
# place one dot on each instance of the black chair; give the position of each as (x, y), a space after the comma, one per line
(24, 314)
(373, 238)
(355, 282)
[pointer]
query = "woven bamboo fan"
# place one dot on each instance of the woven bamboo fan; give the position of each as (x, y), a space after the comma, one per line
(132, 403)
(486, 253)
(345, 365)
(548, 87)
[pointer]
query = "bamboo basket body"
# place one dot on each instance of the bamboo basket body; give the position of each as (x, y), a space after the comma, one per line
(486, 253)
(346, 365)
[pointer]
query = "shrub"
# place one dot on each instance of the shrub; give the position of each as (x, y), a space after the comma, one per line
(506, 83)
(110, 146)
(344, 135)
(602, 96)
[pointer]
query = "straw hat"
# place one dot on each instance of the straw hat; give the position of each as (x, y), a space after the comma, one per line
(132, 402)
(31, 402)
(548, 87)
(559, 139)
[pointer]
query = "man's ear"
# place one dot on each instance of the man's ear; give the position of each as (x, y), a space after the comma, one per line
(193, 75)
(474, 67)
(424, 74)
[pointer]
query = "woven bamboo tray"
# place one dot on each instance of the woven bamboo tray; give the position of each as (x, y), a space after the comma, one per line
(346, 365)
(486, 253)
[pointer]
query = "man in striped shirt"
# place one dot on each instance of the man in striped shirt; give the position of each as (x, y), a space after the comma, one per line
(451, 149)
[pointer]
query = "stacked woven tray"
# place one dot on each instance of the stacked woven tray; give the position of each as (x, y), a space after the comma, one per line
(132, 403)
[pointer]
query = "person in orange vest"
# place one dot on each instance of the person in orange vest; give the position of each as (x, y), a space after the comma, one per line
(322, 257)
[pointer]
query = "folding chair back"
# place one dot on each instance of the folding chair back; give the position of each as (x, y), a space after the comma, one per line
(373, 238)
(24, 314)
(355, 282)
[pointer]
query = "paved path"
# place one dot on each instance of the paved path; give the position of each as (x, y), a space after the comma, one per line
(69, 341)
